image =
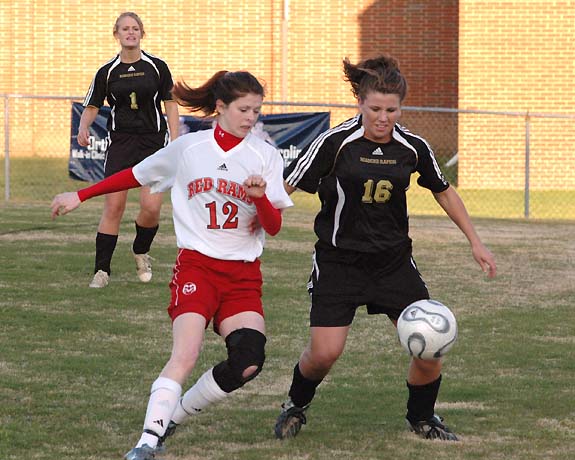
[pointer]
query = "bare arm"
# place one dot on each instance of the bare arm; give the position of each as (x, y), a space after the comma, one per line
(453, 206)
(173, 117)
(288, 188)
(88, 116)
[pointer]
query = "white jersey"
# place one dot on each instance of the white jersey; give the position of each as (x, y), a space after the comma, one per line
(212, 212)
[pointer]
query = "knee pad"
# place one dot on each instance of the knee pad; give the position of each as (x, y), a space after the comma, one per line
(245, 349)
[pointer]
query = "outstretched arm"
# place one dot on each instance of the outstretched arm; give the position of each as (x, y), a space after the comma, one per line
(68, 201)
(453, 206)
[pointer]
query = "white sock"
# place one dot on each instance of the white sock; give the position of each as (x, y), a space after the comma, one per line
(163, 399)
(204, 392)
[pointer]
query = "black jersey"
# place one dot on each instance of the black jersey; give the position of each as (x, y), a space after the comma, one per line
(362, 186)
(134, 93)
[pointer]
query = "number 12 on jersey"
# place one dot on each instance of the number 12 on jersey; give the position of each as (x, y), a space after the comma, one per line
(229, 209)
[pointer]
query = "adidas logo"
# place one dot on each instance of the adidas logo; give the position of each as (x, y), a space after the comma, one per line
(131, 69)
(222, 167)
(377, 151)
(159, 422)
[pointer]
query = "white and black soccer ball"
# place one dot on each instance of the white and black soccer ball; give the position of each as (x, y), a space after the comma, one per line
(427, 329)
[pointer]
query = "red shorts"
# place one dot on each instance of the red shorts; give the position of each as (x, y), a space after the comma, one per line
(214, 288)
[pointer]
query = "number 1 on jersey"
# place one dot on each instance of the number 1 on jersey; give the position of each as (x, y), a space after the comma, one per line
(133, 101)
(229, 209)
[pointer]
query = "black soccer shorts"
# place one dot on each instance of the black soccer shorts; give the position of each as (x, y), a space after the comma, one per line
(127, 150)
(339, 287)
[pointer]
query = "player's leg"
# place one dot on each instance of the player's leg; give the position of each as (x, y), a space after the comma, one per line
(239, 320)
(397, 290)
(188, 333)
(245, 339)
(107, 236)
(330, 320)
(146, 224)
(324, 348)
(423, 382)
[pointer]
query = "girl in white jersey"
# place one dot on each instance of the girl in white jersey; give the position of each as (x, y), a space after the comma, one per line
(221, 181)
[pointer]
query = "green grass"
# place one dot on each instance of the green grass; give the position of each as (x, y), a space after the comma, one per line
(36, 179)
(76, 364)
(500, 204)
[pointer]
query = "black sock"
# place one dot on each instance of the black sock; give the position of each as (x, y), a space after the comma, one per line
(144, 238)
(421, 402)
(105, 245)
(302, 390)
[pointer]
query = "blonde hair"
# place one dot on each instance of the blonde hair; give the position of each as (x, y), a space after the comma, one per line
(132, 15)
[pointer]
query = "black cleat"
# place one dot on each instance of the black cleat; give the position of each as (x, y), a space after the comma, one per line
(290, 420)
(433, 428)
(169, 432)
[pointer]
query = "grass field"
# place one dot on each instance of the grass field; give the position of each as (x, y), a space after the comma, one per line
(36, 179)
(76, 364)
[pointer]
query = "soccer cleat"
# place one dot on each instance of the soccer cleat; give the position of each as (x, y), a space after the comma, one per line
(290, 420)
(434, 428)
(169, 432)
(100, 280)
(143, 267)
(142, 453)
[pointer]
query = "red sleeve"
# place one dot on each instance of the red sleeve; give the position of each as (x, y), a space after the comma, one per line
(270, 218)
(122, 180)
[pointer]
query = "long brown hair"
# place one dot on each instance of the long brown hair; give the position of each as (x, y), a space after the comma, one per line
(223, 85)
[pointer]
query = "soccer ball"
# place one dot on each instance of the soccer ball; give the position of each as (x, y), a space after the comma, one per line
(427, 329)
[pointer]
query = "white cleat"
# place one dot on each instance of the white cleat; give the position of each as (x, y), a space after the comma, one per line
(144, 267)
(100, 280)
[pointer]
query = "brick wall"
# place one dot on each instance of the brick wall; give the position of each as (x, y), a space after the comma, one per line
(474, 54)
(424, 36)
(516, 55)
(59, 45)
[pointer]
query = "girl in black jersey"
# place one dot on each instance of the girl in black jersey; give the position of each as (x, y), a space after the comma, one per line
(134, 83)
(361, 170)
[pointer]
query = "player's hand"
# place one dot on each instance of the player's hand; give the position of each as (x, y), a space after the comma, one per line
(63, 203)
(255, 186)
(485, 259)
(83, 136)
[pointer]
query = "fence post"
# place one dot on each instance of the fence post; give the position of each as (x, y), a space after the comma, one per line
(284, 50)
(527, 153)
(6, 148)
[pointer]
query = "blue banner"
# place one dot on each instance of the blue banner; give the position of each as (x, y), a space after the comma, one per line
(290, 133)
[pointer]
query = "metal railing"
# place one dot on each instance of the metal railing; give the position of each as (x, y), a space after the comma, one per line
(526, 116)
(36, 128)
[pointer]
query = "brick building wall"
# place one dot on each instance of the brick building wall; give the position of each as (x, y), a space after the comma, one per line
(473, 54)
(54, 48)
(516, 55)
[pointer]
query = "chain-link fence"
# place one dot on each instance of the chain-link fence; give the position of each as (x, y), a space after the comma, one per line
(504, 164)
